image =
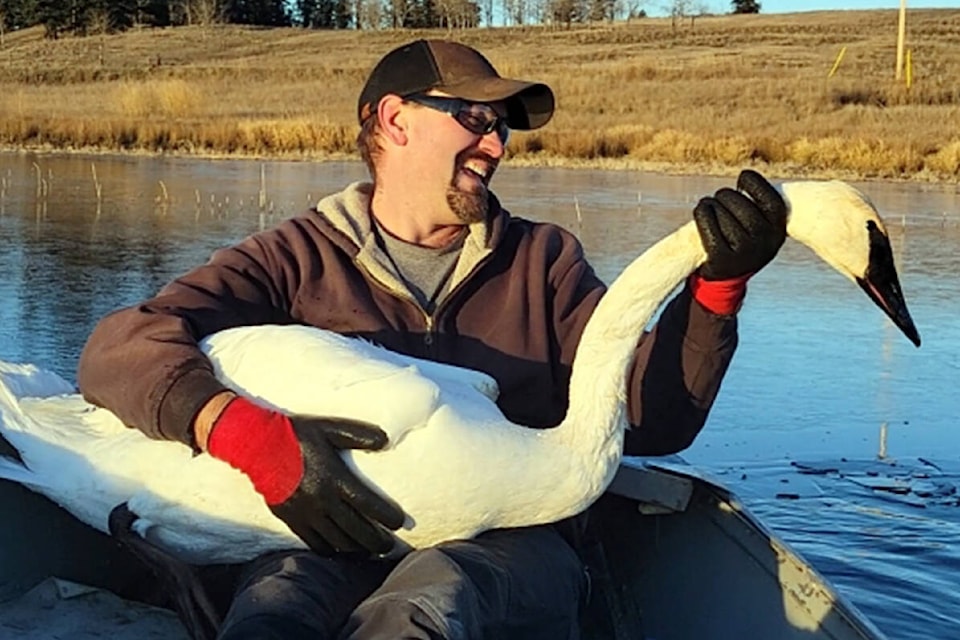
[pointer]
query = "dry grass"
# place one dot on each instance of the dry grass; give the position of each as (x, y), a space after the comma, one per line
(732, 91)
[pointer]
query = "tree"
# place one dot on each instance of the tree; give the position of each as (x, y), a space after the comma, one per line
(566, 12)
(153, 13)
(18, 14)
(421, 14)
(598, 10)
(119, 15)
(272, 13)
(630, 9)
(199, 12)
(745, 6)
(678, 10)
(486, 12)
(58, 16)
(515, 11)
(370, 14)
(323, 14)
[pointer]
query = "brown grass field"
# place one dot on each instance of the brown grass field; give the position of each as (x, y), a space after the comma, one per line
(712, 97)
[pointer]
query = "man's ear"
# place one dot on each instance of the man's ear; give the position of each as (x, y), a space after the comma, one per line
(393, 123)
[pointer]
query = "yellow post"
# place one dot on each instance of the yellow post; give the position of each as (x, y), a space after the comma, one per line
(909, 69)
(901, 33)
(836, 64)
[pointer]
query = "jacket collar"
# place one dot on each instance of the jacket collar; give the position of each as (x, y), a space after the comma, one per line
(349, 213)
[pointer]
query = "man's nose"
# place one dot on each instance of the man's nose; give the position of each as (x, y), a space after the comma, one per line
(492, 145)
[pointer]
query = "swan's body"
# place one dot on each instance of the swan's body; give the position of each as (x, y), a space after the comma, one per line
(454, 463)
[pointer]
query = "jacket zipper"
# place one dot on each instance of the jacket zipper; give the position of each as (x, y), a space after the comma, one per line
(428, 320)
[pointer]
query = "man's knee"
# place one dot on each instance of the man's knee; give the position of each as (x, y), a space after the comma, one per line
(301, 594)
(267, 627)
(392, 616)
(521, 583)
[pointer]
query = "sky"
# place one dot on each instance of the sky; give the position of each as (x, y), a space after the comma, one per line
(657, 7)
(789, 6)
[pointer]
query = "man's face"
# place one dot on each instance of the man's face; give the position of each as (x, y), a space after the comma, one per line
(466, 160)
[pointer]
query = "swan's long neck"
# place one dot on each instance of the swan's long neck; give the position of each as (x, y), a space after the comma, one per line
(596, 418)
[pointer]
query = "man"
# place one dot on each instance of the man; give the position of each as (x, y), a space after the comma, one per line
(423, 261)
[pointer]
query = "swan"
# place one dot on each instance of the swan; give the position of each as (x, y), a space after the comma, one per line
(454, 463)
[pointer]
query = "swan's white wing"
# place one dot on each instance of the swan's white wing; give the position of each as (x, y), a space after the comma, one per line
(86, 460)
(309, 371)
(82, 457)
(449, 375)
(209, 513)
(25, 380)
(201, 508)
(12, 470)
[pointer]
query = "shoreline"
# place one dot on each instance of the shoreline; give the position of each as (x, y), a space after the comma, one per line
(772, 171)
(766, 91)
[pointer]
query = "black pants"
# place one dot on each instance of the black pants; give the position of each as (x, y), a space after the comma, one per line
(516, 584)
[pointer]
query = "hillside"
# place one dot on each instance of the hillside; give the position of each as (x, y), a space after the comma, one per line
(712, 96)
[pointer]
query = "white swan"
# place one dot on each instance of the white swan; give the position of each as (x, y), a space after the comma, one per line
(454, 463)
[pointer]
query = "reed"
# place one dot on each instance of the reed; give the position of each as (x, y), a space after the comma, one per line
(164, 98)
(734, 91)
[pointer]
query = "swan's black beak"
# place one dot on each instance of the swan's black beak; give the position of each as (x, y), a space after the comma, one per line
(882, 285)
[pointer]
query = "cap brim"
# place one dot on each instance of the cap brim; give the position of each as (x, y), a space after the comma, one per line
(529, 104)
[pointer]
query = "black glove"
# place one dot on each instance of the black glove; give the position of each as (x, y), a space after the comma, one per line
(332, 510)
(741, 234)
(294, 462)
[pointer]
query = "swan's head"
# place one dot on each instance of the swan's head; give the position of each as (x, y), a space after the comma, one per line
(843, 227)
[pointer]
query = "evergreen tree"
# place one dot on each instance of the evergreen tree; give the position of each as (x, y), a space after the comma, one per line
(421, 14)
(342, 15)
(745, 6)
(120, 14)
(18, 14)
(153, 13)
(324, 14)
(270, 13)
(58, 16)
(306, 13)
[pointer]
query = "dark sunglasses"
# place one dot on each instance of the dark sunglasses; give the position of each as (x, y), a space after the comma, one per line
(476, 117)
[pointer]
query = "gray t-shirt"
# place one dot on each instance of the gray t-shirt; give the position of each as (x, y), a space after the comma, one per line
(425, 270)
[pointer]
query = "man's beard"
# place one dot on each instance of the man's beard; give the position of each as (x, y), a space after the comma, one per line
(469, 206)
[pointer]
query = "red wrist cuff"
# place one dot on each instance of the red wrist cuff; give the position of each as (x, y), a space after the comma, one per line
(262, 444)
(722, 297)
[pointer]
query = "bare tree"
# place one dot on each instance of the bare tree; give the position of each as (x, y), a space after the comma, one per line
(565, 12)
(399, 11)
(486, 9)
(629, 9)
(678, 10)
(698, 9)
(600, 10)
(375, 13)
(367, 14)
(458, 14)
(515, 11)
(204, 12)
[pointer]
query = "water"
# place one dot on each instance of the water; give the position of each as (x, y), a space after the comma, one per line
(821, 386)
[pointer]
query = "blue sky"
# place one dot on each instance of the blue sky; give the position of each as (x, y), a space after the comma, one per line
(658, 7)
(788, 6)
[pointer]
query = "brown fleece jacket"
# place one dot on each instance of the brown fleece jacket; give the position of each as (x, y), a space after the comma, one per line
(520, 296)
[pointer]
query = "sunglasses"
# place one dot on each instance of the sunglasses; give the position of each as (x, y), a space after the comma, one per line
(476, 117)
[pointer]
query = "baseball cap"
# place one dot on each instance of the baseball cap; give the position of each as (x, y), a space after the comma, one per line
(459, 71)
